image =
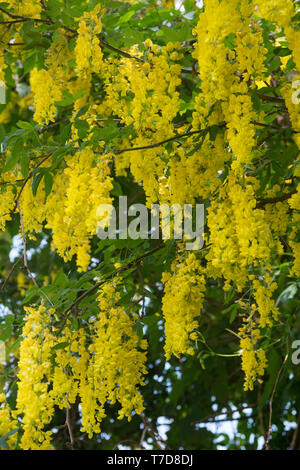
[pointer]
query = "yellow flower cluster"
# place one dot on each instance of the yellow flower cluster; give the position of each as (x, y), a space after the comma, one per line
(294, 203)
(265, 303)
(88, 52)
(239, 235)
(31, 8)
(50, 371)
(254, 360)
(47, 84)
(238, 115)
(294, 39)
(71, 210)
(105, 366)
(117, 363)
(226, 74)
(104, 362)
(250, 52)
(7, 198)
(279, 11)
(33, 207)
(2, 67)
(68, 367)
(34, 402)
(219, 20)
(277, 215)
(293, 109)
(46, 93)
(74, 218)
(182, 302)
(8, 423)
(193, 173)
(168, 3)
(152, 109)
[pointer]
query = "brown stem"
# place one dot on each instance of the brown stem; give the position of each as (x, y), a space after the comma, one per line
(158, 144)
(70, 424)
(28, 178)
(272, 200)
(273, 393)
(295, 434)
(118, 271)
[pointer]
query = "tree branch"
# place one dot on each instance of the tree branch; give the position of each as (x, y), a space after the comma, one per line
(11, 271)
(272, 200)
(158, 144)
(24, 18)
(69, 424)
(115, 273)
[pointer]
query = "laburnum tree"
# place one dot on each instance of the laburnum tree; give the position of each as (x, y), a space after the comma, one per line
(142, 343)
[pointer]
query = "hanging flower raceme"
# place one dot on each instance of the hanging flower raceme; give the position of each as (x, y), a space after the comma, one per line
(182, 303)
(239, 234)
(254, 360)
(46, 93)
(117, 363)
(26, 8)
(88, 52)
(34, 402)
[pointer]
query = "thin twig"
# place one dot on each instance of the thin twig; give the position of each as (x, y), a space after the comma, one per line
(28, 178)
(272, 99)
(143, 437)
(273, 200)
(158, 144)
(154, 433)
(118, 51)
(115, 273)
(50, 126)
(70, 427)
(25, 18)
(273, 393)
(229, 413)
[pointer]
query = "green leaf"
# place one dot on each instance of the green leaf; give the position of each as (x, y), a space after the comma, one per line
(48, 181)
(3, 444)
(61, 280)
(230, 41)
(38, 176)
(213, 131)
(125, 18)
(58, 157)
(82, 111)
(275, 64)
(10, 162)
(60, 346)
(26, 125)
(83, 128)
